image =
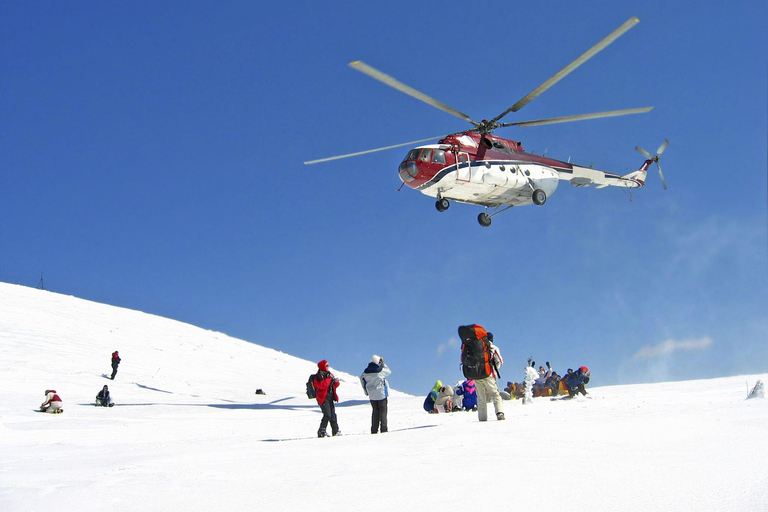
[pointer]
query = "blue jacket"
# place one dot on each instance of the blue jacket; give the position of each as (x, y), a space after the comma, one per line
(469, 392)
(576, 379)
(374, 381)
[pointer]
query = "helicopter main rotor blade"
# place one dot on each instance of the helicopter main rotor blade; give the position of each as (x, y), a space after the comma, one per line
(339, 157)
(570, 67)
(662, 147)
(580, 117)
(410, 91)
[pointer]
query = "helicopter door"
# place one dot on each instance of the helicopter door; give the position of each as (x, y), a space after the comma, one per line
(463, 170)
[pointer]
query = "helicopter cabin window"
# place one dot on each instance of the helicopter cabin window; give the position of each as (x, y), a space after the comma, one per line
(463, 158)
(438, 157)
(425, 155)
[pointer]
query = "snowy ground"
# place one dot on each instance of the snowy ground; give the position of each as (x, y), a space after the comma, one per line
(189, 433)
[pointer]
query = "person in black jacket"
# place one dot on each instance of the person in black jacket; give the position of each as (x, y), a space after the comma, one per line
(103, 399)
(115, 362)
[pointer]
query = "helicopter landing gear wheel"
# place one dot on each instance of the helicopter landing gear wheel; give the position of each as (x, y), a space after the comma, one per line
(442, 204)
(484, 219)
(539, 197)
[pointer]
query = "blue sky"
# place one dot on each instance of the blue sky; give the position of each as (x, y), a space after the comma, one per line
(152, 159)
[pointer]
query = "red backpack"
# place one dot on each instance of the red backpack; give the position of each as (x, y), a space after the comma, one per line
(475, 352)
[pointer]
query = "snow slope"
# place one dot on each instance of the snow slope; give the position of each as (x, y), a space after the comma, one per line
(189, 433)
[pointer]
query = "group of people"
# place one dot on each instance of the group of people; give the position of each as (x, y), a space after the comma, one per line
(479, 388)
(444, 398)
(473, 394)
(53, 402)
(375, 387)
(549, 383)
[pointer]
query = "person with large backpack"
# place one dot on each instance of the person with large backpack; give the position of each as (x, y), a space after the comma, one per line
(481, 361)
(375, 387)
(325, 393)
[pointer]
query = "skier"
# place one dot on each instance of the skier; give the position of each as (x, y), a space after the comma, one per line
(115, 362)
(52, 402)
(468, 391)
(103, 399)
(375, 387)
(325, 386)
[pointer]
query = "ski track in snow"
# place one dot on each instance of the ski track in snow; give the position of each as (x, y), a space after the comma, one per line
(189, 433)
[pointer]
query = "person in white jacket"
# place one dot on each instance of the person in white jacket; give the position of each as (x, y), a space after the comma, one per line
(374, 382)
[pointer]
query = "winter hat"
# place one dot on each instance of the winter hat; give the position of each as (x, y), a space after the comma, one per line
(490, 336)
(375, 359)
(323, 365)
(584, 369)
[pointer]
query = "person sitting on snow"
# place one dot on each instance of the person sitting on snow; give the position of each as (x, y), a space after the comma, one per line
(468, 392)
(52, 402)
(429, 402)
(576, 381)
(444, 401)
(103, 399)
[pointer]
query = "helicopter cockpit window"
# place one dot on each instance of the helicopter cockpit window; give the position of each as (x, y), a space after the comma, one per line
(413, 155)
(438, 157)
(502, 148)
(425, 155)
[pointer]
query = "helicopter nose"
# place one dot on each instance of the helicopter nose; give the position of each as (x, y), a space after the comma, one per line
(408, 171)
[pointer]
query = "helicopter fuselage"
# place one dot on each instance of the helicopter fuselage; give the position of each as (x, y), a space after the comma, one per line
(491, 171)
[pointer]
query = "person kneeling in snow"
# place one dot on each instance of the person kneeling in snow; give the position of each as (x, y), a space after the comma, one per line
(103, 399)
(52, 402)
(468, 391)
(444, 401)
(429, 402)
(576, 381)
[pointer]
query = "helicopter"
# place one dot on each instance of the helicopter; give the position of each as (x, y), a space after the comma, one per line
(477, 167)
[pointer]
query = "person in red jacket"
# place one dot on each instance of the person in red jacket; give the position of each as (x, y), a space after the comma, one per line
(115, 362)
(325, 388)
(52, 402)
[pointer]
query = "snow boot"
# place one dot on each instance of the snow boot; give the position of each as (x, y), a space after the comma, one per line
(322, 433)
(499, 416)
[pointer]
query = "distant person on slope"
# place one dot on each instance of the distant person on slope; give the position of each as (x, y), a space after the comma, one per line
(103, 399)
(325, 387)
(52, 402)
(115, 362)
(375, 387)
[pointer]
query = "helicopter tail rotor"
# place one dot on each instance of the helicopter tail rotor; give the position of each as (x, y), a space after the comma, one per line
(655, 158)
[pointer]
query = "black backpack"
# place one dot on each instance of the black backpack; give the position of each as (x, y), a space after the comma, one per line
(475, 352)
(311, 393)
